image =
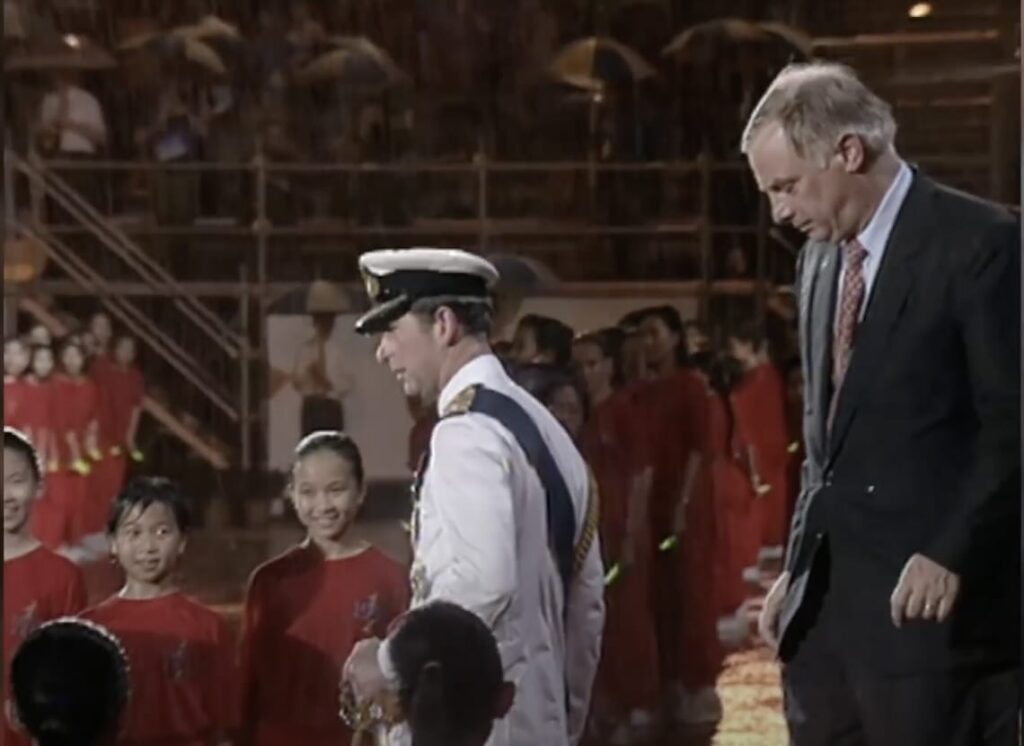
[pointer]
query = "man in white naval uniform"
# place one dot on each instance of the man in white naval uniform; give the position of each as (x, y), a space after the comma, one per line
(486, 532)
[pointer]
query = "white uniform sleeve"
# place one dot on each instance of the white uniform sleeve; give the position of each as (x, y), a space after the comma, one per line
(470, 482)
(584, 624)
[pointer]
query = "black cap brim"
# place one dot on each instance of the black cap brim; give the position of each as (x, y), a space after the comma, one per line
(380, 318)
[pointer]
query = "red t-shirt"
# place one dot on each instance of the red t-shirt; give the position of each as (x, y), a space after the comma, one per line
(613, 445)
(674, 409)
(101, 373)
(14, 402)
(38, 410)
(182, 662)
(76, 411)
(303, 615)
(759, 403)
(38, 587)
(125, 396)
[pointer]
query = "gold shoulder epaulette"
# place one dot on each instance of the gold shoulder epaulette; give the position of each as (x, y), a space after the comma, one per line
(590, 525)
(462, 402)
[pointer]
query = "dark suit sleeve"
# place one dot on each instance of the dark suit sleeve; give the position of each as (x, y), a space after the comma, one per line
(800, 509)
(986, 299)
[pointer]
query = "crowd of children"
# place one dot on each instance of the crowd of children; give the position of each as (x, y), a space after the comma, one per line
(191, 684)
(691, 451)
(78, 400)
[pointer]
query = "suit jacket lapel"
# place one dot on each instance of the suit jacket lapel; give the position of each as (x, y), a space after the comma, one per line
(818, 333)
(885, 305)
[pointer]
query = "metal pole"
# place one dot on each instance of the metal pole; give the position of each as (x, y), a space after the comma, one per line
(762, 286)
(482, 197)
(704, 162)
(245, 399)
(262, 230)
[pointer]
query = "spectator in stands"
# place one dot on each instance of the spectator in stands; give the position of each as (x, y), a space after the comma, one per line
(70, 683)
(542, 339)
(71, 120)
(304, 33)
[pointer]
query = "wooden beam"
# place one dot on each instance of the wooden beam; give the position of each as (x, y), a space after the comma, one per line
(907, 38)
(574, 289)
(152, 407)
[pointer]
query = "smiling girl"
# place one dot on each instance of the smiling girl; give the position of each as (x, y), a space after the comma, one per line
(306, 609)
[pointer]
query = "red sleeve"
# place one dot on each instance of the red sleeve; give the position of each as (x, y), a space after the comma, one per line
(225, 681)
(248, 648)
(75, 597)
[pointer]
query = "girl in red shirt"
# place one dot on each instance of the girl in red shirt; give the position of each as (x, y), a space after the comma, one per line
(613, 443)
(52, 518)
(38, 584)
(675, 406)
(17, 359)
(120, 390)
(75, 433)
(180, 653)
(305, 610)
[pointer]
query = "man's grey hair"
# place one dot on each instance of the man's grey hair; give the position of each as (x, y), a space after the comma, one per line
(476, 316)
(816, 104)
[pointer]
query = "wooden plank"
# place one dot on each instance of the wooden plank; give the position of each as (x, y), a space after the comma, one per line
(907, 38)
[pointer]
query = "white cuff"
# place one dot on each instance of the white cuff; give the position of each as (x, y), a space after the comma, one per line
(387, 668)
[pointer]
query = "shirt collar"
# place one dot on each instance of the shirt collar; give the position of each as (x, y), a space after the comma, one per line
(478, 370)
(876, 233)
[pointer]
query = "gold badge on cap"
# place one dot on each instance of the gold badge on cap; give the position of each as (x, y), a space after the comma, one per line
(372, 285)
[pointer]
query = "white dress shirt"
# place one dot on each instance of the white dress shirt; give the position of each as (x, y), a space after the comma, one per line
(875, 236)
(80, 107)
(482, 543)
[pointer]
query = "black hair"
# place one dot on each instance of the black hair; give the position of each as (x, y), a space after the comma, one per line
(68, 341)
(449, 672)
(609, 342)
(748, 332)
(337, 443)
(141, 492)
(476, 318)
(551, 336)
(70, 684)
(669, 316)
(723, 372)
(542, 380)
(630, 323)
(18, 442)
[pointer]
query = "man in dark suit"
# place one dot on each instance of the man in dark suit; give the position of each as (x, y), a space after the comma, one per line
(897, 617)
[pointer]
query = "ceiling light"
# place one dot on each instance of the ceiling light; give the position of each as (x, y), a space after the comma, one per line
(920, 10)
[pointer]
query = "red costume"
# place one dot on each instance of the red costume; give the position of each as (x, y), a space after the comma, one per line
(613, 445)
(303, 615)
(119, 390)
(182, 662)
(759, 403)
(675, 412)
(14, 402)
(737, 523)
(68, 488)
(38, 586)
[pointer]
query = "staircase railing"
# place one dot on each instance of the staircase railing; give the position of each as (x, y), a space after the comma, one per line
(129, 314)
(116, 241)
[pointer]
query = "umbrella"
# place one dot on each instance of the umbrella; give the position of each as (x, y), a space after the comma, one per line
(192, 44)
(703, 42)
(357, 63)
(70, 52)
(596, 61)
(209, 29)
(522, 275)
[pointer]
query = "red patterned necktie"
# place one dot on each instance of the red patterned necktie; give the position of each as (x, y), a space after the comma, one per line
(849, 312)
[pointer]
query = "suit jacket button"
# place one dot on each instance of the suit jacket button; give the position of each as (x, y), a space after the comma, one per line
(871, 489)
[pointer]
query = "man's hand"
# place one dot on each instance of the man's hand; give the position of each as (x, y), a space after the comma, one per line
(768, 621)
(362, 672)
(926, 590)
